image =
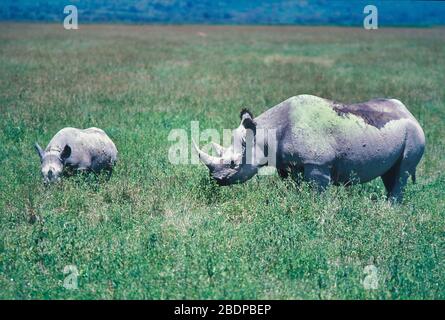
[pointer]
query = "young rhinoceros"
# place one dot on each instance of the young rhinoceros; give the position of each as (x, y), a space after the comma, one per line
(326, 142)
(85, 150)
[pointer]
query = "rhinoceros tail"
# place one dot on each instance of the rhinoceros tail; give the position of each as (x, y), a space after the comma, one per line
(413, 176)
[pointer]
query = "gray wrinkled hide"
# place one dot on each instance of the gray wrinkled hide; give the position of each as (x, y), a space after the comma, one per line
(85, 150)
(327, 142)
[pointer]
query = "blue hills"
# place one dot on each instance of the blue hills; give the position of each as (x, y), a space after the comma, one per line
(271, 12)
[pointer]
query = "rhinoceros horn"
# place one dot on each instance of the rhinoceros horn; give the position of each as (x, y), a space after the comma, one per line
(209, 161)
(218, 149)
(39, 151)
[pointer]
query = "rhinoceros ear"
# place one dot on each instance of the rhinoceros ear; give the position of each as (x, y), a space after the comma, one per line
(245, 112)
(65, 153)
(247, 120)
(39, 151)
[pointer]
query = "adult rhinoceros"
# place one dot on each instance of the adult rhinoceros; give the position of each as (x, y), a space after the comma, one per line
(327, 142)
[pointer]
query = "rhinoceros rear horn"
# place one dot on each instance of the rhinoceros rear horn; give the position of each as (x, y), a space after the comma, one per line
(39, 150)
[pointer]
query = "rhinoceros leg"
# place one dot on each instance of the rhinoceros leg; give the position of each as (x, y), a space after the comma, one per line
(395, 182)
(109, 172)
(294, 172)
(317, 174)
(283, 173)
(396, 178)
(297, 174)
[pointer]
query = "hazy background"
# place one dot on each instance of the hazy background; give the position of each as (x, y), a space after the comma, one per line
(301, 12)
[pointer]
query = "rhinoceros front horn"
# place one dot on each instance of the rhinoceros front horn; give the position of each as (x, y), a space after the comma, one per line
(208, 160)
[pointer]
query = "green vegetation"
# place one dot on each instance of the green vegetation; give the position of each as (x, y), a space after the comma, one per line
(156, 230)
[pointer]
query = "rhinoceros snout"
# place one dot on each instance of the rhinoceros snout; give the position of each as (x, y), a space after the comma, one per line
(221, 182)
(50, 176)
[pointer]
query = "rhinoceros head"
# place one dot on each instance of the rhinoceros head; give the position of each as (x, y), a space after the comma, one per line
(52, 162)
(233, 164)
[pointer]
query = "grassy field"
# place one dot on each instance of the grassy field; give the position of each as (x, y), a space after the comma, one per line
(163, 231)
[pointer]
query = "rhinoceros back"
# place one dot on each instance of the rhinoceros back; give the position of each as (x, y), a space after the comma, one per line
(364, 139)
